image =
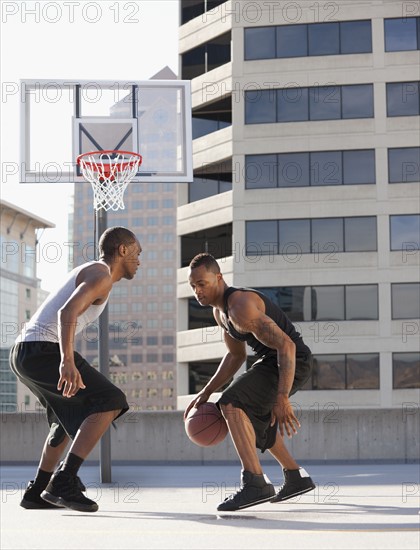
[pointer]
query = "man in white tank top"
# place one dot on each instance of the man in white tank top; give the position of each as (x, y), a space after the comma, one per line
(80, 402)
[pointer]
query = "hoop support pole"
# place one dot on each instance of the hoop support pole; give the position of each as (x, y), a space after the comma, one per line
(103, 354)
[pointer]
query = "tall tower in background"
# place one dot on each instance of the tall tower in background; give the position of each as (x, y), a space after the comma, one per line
(20, 294)
(142, 312)
(306, 185)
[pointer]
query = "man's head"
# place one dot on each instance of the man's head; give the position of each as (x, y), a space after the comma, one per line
(206, 279)
(118, 244)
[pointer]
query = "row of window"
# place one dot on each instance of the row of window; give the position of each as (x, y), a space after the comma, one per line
(298, 104)
(329, 38)
(361, 371)
(346, 371)
(350, 167)
(294, 237)
(315, 168)
(345, 37)
(327, 303)
(344, 302)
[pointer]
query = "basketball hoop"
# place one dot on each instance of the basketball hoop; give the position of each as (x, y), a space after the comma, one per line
(109, 173)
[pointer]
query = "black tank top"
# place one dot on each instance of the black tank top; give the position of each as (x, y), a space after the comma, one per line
(277, 315)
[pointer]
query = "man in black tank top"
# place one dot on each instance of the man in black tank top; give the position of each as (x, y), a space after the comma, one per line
(256, 404)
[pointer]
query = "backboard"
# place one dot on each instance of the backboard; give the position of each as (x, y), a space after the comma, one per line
(60, 119)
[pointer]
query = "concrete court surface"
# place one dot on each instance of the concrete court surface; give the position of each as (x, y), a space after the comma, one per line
(362, 506)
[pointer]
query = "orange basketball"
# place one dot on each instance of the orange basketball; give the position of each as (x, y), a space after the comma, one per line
(205, 426)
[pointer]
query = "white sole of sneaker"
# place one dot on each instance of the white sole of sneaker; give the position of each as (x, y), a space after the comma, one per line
(60, 502)
(248, 505)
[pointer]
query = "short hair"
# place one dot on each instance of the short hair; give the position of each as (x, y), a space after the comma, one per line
(207, 260)
(112, 238)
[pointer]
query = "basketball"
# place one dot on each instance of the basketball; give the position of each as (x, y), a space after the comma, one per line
(205, 426)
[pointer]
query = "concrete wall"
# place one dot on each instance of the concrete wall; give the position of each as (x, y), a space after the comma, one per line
(326, 435)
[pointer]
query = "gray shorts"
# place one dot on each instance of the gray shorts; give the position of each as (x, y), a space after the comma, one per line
(36, 364)
(255, 392)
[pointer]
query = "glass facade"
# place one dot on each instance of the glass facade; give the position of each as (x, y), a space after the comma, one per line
(303, 104)
(318, 235)
(402, 34)
(403, 164)
(327, 302)
(314, 39)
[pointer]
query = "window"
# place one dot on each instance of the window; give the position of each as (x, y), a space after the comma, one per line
(215, 240)
(150, 255)
(318, 235)
(209, 184)
(199, 316)
(362, 302)
(167, 340)
(405, 299)
(325, 103)
(27, 293)
(360, 234)
(324, 38)
(403, 164)
(406, 370)
(402, 99)
(405, 230)
(199, 374)
(327, 235)
(294, 236)
(310, 169)
(327, 302)
(260, 107)
(261, 237)
(152, 340)
(356, 37)
(167, 357)
(260, 171)
(345, 372)
(316, 103)
(152, 272)
(402, 34)
(206, 57)
(292, 40)
(313, 39)
(260, 43)
(357, 101)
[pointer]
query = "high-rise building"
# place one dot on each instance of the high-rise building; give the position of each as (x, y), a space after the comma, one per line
(142, 312)
(306, 185)
(20, 295)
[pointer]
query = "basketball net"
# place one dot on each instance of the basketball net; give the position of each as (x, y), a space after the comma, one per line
(109, 173)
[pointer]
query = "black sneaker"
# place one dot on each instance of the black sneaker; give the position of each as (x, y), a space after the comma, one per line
(296, 482)
(64, 490)
(254, 490)
(32, 498)
(79, 481)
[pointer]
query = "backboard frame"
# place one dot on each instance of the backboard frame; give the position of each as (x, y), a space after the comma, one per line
(69, 173)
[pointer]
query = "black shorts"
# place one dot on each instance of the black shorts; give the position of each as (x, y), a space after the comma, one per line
(255, 392)
(36, 364)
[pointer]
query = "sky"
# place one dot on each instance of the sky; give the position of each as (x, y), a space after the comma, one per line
(106, 40)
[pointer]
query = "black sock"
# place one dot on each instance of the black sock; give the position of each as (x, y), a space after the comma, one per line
(42, 478)
(72, 464)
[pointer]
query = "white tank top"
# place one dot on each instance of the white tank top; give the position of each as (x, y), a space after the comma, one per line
(43, 326)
